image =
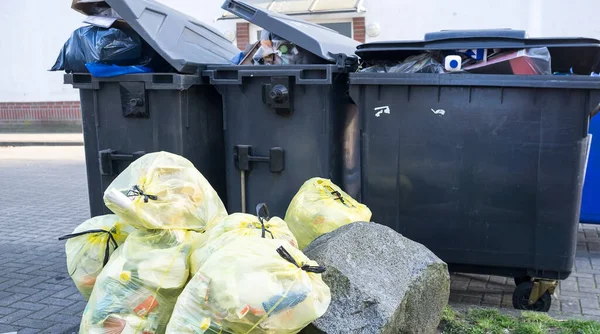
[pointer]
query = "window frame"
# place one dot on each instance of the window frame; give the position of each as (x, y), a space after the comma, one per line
(314, 18)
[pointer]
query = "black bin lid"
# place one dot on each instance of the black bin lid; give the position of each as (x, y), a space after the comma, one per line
(475, 34)
(323, 42)
(583, 54)
(184, 42)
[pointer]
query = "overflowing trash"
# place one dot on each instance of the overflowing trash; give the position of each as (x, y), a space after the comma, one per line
(107, 46)
(274, 50)
(479, 61)
(423, 63)
(89, 248)
(320, 207)
(252, 286)
(91, 44)
(521, 62)
(172, 261)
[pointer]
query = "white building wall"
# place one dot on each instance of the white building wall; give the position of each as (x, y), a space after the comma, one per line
(409, 19)
(33, 31)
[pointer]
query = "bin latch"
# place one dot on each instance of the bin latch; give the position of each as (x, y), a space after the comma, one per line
(133, 100)
(244, 158)
(344, 62)
(108, 159)
(278, 95)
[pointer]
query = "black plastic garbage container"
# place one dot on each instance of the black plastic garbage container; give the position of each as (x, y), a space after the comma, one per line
(287, 124)
(485, 170)
(127, 116)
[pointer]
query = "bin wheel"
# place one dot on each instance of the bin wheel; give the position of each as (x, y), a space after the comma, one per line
(521, 279)
(521, 299)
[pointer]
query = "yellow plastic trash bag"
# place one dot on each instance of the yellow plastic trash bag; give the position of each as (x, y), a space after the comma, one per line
(138, 288)
(221, 233)
(248, 225)
(90, 246)
(164, 191)
(320, 207)
(252, 285)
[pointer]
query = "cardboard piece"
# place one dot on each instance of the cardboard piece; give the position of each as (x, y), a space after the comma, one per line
(100, 21)
(516, 62)
(99, 13)
(248, 58)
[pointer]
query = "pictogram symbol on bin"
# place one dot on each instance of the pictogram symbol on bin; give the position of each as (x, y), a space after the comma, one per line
(440, 112)
(382, 110)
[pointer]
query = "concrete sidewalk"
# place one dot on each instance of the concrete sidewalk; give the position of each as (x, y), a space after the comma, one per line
(41, 139)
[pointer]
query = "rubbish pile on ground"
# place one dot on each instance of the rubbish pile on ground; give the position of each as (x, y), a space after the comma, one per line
(172, 261)
(169, 203)
(245, 272)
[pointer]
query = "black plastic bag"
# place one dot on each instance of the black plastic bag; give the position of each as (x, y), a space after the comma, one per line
(92, 44)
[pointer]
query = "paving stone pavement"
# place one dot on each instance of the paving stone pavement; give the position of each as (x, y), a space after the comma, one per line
(577, 297)
(43, 195)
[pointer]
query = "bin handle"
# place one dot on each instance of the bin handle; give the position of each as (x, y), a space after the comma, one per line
(595, 111)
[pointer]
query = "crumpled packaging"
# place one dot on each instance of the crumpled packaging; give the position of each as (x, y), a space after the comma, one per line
(164, 191)
(320, 207)
(252, 285)
(237, 225)
(138, 288)
(89, 248)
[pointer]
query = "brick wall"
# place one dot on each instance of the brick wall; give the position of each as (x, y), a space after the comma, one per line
(242, 33)
(358, 27)
(40, 112)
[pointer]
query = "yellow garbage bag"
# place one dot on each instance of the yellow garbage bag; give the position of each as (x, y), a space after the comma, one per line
(320, 207)
(221, 233)
(138, 288)
(164, 191)
(90, 246)
(252, 285)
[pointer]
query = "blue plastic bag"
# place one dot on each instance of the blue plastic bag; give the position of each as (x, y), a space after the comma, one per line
(238, 58)
(106, 71)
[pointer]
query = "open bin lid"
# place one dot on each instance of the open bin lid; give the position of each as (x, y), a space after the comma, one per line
(184, 42)
(323, 42)
(583, 54)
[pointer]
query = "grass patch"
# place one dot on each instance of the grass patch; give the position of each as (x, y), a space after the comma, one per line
(490, 321)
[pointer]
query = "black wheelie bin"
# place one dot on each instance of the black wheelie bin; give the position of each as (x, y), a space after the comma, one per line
(285, 124)
(486, 170)
(127, 116)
